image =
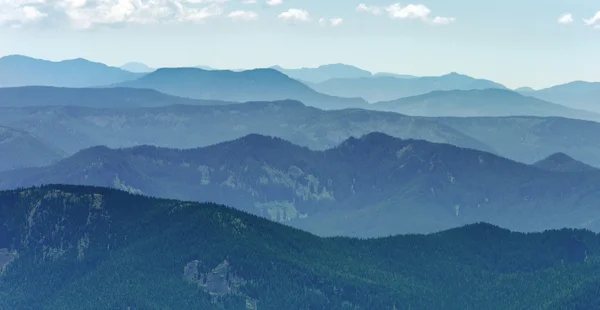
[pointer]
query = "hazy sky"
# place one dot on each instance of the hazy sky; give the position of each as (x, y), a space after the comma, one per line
(517, 43)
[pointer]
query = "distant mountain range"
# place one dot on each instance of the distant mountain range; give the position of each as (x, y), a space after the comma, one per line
(137, 67)
(19, 70)
(577, 95)
(75, 128)
(30, 96)
(251, 85)
(485, 102)
(96, 248)
(375, 185)
(335, 80)
(19, 149)
(324, 73)
(334, 71)
(531, 139)
(525, 139)
(525, 89)
(388, 74)
(376, 89)
(562, 162)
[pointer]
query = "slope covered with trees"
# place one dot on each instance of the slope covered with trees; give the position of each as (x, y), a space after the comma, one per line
(76, 247)
(374, 185)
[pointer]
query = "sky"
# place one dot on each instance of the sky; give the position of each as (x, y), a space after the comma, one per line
(536, 43)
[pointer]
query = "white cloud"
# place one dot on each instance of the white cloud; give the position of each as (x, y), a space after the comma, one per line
(410, 11)
(443, 20)
(249, 1)
(32, 13)
(91, 13)
(274, 2)
(334, 22)
(243, 15)
(295, 14)
(565, 19)
(369, 9)
(19, 15)
(594, 21)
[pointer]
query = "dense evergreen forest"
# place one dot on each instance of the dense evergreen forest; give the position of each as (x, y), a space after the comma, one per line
(75, 247)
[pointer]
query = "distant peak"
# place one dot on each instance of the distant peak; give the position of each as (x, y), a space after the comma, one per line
(560, 158)
(270, 70)
(135, 63)
(258, 141)
(455, 75)
(17, 57)
(93, 151)
(370, 139)
(376, 135)
(564, 163)
(524, 89)
(335, 65)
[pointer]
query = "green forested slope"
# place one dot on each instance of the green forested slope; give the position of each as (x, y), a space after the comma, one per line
(93, 248)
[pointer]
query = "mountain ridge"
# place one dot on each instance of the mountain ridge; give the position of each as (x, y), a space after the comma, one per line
(323, 72)
(19, 70)
(137, 67)
(31, 96)
(350, 187)
(479, 102)
(74, 128)
(385, 88)
(576, 94)
(250, 85)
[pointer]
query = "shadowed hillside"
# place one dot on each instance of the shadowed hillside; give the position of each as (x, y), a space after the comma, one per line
(39, 96)
(19, 149)
(375, 185)
(76, 128)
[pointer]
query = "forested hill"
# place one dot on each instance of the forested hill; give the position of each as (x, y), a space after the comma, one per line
(72, 247)
(372, 186)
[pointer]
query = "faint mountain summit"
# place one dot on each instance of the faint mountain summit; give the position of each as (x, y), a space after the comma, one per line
(137, 67)
(19, 70)
(563, 163)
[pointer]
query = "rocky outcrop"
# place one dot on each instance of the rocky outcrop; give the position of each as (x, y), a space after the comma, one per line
(220, 281)
(6, 257)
